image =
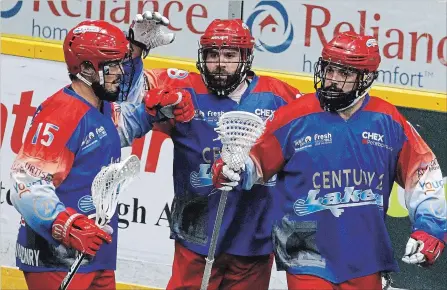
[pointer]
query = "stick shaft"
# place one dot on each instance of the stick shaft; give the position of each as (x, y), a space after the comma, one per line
(213, 244)
(73, 269)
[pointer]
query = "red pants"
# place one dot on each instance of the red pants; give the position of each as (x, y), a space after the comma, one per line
(100, 280)
(370, 282)
(228, 272)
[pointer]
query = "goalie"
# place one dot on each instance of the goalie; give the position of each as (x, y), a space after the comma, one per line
(73, 134)
(337, 153)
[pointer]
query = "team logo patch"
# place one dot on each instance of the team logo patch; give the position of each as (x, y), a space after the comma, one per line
(85, 203)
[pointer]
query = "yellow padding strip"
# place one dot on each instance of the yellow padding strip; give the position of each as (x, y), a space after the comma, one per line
(404, 97)
(12, 278)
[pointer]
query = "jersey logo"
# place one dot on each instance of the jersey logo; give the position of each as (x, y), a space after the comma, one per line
(271, 181)
(375, 139)
(93, 138)
(302, 143)
(85, 203)
(203, 177)
(101, 132)
(264, 113)
(199, 115)
(336, 202)
(313, 140)
(44, 208)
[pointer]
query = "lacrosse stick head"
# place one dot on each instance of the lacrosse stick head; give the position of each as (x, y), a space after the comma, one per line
(238, 132)
(109, 183)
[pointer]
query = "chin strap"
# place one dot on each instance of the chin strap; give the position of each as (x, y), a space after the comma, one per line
(84, 80)
(101, 77)
(356, 100)
(359, 97)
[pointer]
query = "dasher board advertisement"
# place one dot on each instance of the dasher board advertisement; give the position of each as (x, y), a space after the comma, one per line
(412, 34)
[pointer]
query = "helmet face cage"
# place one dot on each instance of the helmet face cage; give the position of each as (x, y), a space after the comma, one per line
(214, 80)
(123, 69)
(128, 73)
(103, 48)
(125, 74)
(105, 70)
(334, 98)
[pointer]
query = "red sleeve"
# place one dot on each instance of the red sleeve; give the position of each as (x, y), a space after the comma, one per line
(267, 153)
(270, 151)
(414, 153)
(277, 87)
(414, 150)
(45, 150)
(419, 173)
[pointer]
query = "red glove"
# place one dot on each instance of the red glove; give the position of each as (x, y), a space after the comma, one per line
(172, 103)
(223, 177)
(422, 249)
(75, 230)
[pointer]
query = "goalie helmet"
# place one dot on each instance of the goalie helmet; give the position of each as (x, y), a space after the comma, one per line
(225, 34)
(348, 54)
(98, 43)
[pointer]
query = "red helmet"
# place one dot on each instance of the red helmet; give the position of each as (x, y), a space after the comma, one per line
(356, 59)
(95, 42)
(226, 33)
(354, 50)
(233, 32)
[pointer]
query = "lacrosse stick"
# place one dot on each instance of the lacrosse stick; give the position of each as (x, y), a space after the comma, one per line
(107, 185)
(238, 131)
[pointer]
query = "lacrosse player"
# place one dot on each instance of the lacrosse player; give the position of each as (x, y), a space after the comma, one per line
(337, 153)
(72, 136)
(225, 83)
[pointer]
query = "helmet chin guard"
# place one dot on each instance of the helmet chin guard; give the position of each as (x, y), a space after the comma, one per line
(348, 53)
(221, 35)
(100, 45)
(334, 99)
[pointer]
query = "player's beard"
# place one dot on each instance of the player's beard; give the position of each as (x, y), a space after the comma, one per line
(333, 89)
(106, 95)
(219, 77)
(220, 80)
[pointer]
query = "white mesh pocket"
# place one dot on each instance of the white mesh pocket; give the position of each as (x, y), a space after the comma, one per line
(238, 131)
(107, 185)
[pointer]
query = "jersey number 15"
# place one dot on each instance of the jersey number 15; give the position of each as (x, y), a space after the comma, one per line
(46, 133)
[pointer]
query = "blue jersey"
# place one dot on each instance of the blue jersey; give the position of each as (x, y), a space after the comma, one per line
(247, 221)
(335, 177)
(68, 143)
